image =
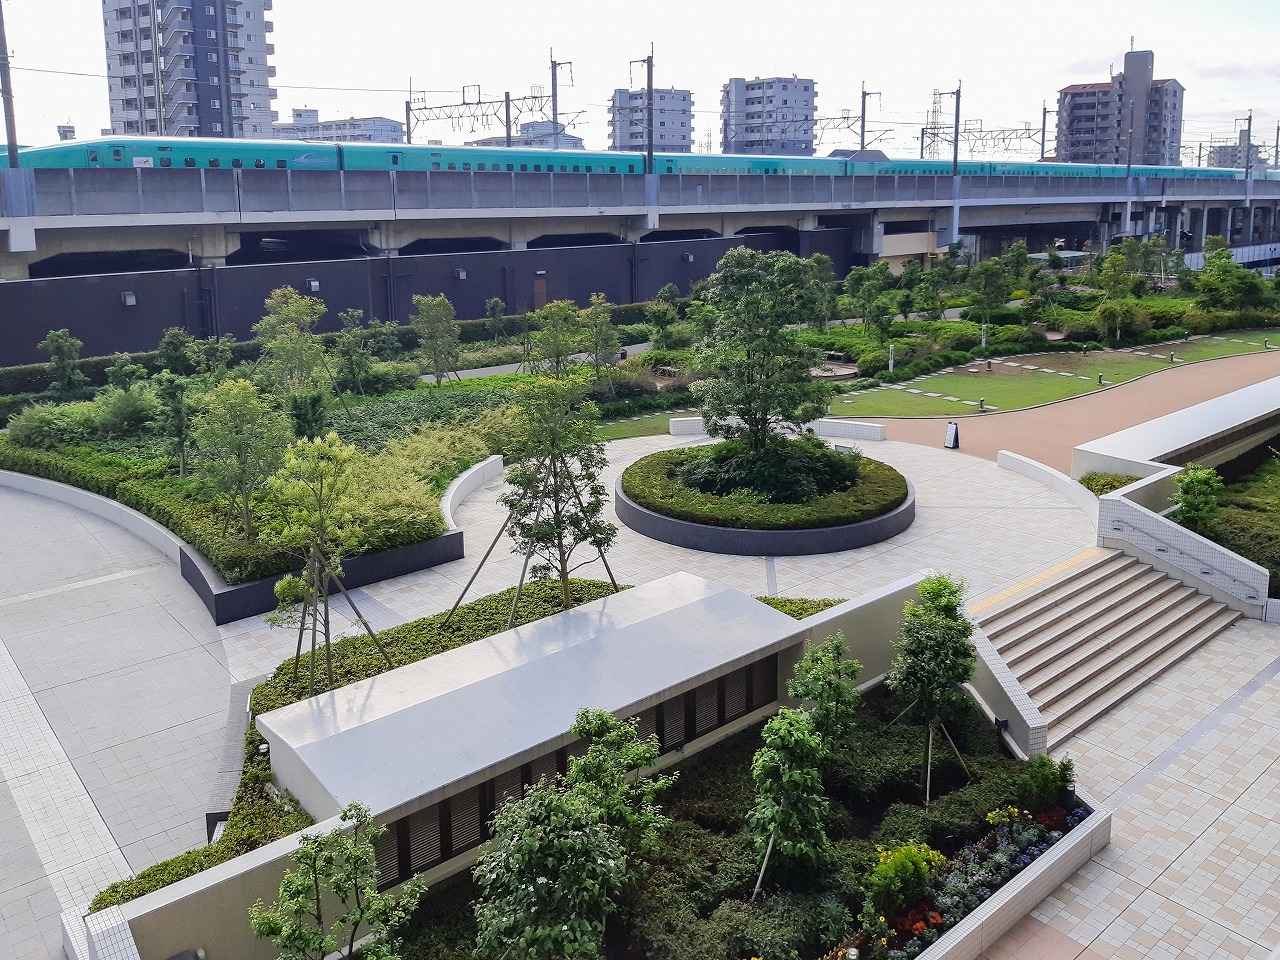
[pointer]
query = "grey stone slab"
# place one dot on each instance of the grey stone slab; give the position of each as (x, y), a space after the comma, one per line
(28, 905)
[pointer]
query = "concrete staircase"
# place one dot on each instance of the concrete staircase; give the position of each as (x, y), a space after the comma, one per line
(1086, 634)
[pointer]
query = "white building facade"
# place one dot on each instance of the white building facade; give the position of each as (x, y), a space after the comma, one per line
(672, 120)
(307, 125)
(774, 116)
(189, 68)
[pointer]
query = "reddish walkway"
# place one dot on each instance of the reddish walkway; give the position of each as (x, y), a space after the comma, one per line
(1049, 433)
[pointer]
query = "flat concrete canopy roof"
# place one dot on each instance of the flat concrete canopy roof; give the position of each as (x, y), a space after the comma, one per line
(1165, 437)
(402, 737)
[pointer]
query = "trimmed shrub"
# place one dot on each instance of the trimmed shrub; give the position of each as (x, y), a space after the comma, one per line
(650, 483)
(1100, 484)
(786, 471)
(389, 376)
(800, 607)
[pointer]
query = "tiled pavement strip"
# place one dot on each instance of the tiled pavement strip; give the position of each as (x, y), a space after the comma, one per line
(974, 519)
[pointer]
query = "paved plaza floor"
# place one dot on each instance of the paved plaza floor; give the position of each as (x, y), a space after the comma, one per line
(114, 690)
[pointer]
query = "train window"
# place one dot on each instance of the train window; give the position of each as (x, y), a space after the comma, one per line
(612, 168)
(190, 162)
(466, 166)
(524, 168)
(588, 168)
(281, 164)
(564, 168)
(435, 164)
(215, 162)
(575, 168)
(395, 159)
(511, 167)
(537, 167)
(93, 156)
(631, 168)
(480, 166)
(452, 165)
(259, 164)
(166, 161)
(237, 163)
(117, 154)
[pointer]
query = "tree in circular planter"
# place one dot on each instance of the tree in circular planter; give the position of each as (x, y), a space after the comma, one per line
(759, 385)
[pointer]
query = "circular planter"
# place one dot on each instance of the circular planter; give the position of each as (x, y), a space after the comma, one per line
(764, 543)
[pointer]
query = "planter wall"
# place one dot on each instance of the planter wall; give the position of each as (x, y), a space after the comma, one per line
(226, 602)
(763, 543)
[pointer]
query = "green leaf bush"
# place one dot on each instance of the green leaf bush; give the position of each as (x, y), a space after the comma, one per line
(1100, 484)
(651, 483)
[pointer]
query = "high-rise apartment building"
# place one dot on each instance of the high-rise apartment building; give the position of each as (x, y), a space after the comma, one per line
(1130, 119)
(672, 120)
(189, 68)
(773, 116)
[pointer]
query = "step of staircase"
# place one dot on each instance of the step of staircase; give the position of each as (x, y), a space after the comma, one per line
(1088, 633)
(1141, 600)
(1025, 647)
(1095, 573)
(1101, 695)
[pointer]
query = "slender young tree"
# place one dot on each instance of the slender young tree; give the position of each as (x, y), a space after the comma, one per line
(311, 495)
(329, 902)
(495, 317)
(433, 318)
(935, 656)
(63, 350)
(556, 498)
(292, 356)
(175, 414)
(557, 338)
(599, 337)
(240, 437)
(825, 681)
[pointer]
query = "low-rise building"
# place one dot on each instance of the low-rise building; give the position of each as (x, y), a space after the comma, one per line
(541, 134)
(307, 125)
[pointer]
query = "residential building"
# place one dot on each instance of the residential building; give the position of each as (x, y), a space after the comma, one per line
(541, 134)
(672, 120)
(189, 68)
(773, 116)
(307, 125)
(1239, 154)
(1130, 119)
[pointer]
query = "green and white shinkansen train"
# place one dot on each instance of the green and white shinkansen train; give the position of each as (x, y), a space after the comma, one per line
(205, 153)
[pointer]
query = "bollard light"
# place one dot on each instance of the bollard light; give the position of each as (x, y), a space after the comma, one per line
(982, 404)
(1099, 379)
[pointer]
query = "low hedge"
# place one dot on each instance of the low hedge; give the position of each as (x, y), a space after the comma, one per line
(357, 658)
(1100, 484)
(797, 608)
(651, 484)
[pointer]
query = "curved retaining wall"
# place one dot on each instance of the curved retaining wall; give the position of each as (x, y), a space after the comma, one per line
(1055, 480)
(467, 483)
(763, 543)
(230, 602)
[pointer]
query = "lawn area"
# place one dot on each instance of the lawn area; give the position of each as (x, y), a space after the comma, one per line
(647, 426)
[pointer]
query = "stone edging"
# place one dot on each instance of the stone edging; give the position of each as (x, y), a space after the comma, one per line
(226, 602)
(763, 543)
(467, 483)
(996, 915)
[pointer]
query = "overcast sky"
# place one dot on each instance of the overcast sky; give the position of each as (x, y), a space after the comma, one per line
(1011, 56)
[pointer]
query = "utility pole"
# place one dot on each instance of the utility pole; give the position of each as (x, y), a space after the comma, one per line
(862, 123)
(1044, 124)
(1248, 145)
(648, 110)
(6, 87)
(555, 97)
(1275, 154)
(506, 100)
(955, 145)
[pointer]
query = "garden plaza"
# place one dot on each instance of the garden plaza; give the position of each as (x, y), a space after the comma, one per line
(116, 688)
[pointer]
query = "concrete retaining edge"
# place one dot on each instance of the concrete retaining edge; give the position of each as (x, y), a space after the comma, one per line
(225, 602)
(831, 427)
(763, 543)
(1055, 480)
(467, 483)
(979, 931)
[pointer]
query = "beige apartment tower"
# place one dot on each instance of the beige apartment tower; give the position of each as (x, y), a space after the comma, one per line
(1132, 119)
(189, 68)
